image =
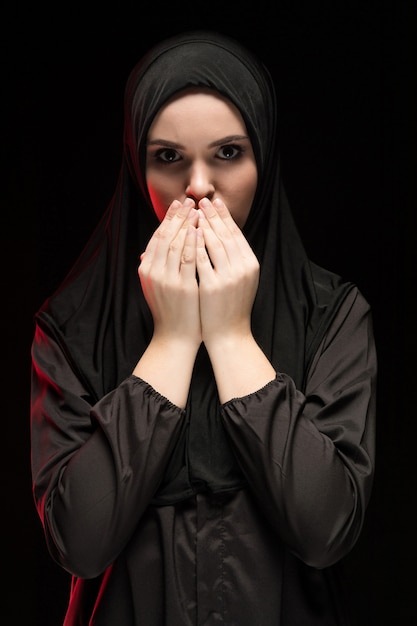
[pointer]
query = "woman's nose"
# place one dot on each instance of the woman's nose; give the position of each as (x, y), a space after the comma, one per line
(200, 184)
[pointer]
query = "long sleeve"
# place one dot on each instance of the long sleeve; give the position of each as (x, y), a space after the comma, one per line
(309, 458)
(95, 467)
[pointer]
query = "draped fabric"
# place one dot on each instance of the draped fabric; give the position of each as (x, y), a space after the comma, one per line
(99, 316)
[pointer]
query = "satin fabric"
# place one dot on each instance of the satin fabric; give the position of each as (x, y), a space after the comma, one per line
(99, 314)
(267, 554)
(237, 514)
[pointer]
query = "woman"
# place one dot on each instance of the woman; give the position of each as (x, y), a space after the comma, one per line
(202, 418)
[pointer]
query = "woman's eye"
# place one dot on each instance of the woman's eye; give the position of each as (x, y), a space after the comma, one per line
(167, 155)
(230, 152)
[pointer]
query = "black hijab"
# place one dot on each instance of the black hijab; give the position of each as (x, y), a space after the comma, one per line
(99, 315)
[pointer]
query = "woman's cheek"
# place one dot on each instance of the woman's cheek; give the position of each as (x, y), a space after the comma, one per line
(160, 207)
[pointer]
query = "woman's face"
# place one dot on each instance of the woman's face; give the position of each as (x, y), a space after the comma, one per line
(198, 146)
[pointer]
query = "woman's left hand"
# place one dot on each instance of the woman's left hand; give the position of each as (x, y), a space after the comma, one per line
(228, 272)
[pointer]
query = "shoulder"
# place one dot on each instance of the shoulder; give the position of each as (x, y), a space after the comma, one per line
(331, 287)
(352, 321)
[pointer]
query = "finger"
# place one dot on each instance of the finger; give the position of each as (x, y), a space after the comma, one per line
(203, 263)
(224, 214)
(147, 256)
(189, 251)
(222, 224)
(228, 220)
(236, 244)
(176, 254)
(178, 211)
(174, 220)
(213, 242)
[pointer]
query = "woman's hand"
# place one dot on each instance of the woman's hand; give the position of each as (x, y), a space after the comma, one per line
(168, 275)
(229, 273)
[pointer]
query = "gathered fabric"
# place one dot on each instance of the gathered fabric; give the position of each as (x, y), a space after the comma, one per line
(237, 514)
(99, 313)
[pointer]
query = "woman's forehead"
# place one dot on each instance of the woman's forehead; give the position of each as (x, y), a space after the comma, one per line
(199, 111)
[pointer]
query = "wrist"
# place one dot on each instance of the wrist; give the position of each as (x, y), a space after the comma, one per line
(240, 367)
(229, 342)
(167, 364)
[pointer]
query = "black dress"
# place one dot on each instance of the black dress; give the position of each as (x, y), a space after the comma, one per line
(233, 514)
(258, 555)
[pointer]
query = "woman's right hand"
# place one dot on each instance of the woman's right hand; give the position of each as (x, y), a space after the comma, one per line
(167, 273)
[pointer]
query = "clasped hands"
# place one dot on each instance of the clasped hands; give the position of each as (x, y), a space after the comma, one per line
(199, 275)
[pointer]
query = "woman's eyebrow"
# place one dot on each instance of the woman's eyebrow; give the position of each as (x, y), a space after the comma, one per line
(164, 142)
(219, 142)
(228, 139)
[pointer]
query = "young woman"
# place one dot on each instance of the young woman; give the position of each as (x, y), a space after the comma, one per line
(203, 394)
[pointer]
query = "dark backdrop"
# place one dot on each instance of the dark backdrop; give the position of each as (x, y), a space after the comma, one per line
(345, 75)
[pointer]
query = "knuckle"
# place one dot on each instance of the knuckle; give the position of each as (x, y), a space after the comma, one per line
(186, 257)
(202, 255)
(142, 271)
(160, 233)
(173, 247)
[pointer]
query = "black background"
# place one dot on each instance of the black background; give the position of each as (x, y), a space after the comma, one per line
(345, 75)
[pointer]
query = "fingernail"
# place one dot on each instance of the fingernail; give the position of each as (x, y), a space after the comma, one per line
(188, 203)
(204, 202)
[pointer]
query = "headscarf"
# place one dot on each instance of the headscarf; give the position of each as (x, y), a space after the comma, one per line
(99, 314)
